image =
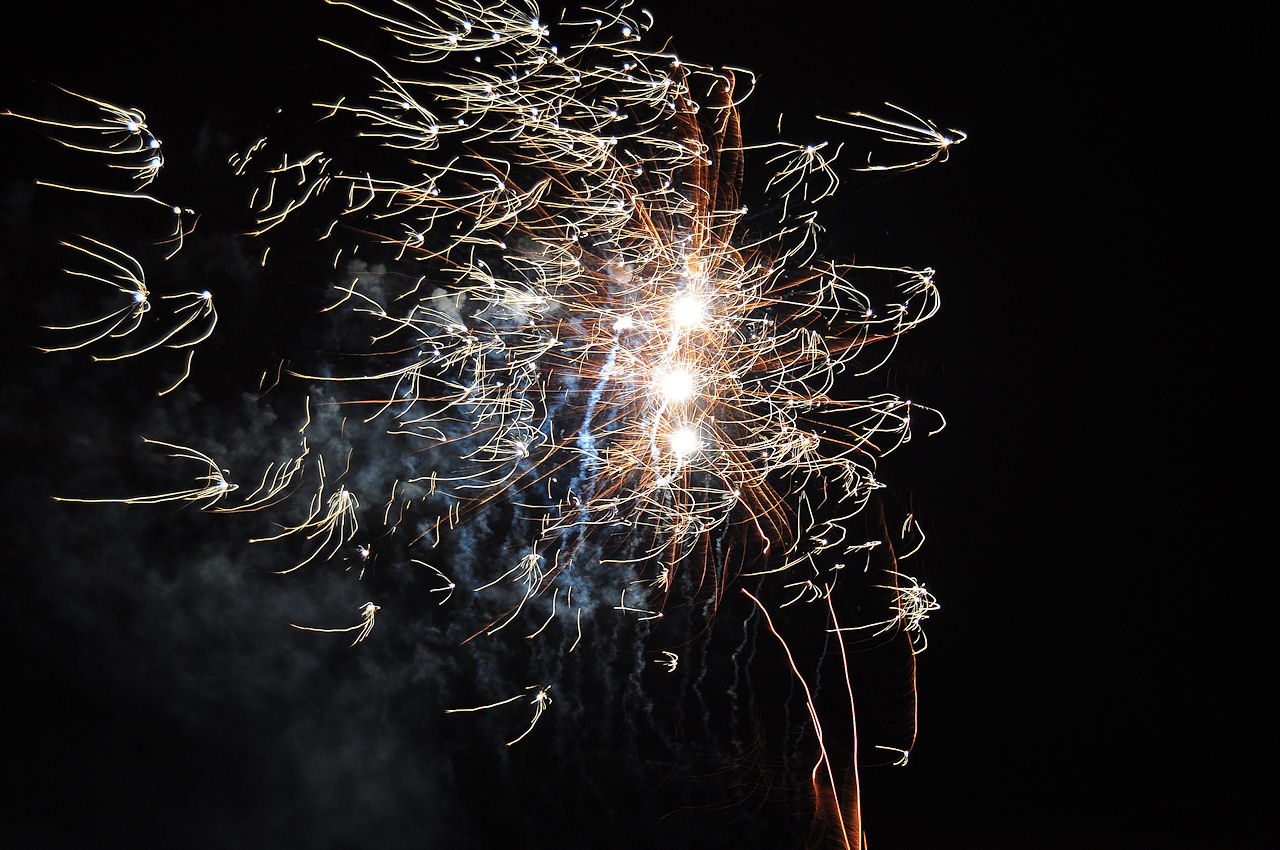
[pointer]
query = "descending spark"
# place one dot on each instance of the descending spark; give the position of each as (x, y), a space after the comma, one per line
(540, 700)
(120, 134)
(212, 485)
(362, 628)
(850, 822)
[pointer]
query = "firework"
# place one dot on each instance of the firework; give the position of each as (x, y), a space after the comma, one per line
(560, 308)
(592, 328)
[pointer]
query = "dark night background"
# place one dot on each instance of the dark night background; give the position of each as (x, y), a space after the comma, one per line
(1088, 682)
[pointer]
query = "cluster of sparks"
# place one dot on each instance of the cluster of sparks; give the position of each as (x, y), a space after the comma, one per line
(588, 325)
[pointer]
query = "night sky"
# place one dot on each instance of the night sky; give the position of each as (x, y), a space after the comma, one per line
(1089, 679)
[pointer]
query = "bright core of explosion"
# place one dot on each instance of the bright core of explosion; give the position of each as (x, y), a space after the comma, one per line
(677, 384)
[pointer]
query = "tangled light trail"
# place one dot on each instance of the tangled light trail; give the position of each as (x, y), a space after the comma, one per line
(557, 316)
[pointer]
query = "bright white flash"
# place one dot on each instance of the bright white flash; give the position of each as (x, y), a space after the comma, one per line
(685, 442)
(687, 311)
(677, 385)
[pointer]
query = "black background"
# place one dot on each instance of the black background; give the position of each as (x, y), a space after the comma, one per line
(1089, 681)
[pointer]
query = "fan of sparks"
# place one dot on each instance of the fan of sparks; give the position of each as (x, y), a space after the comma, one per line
(587, 323)
(591, 326)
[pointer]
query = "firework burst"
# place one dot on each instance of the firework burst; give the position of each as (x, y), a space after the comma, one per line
(552, 302)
